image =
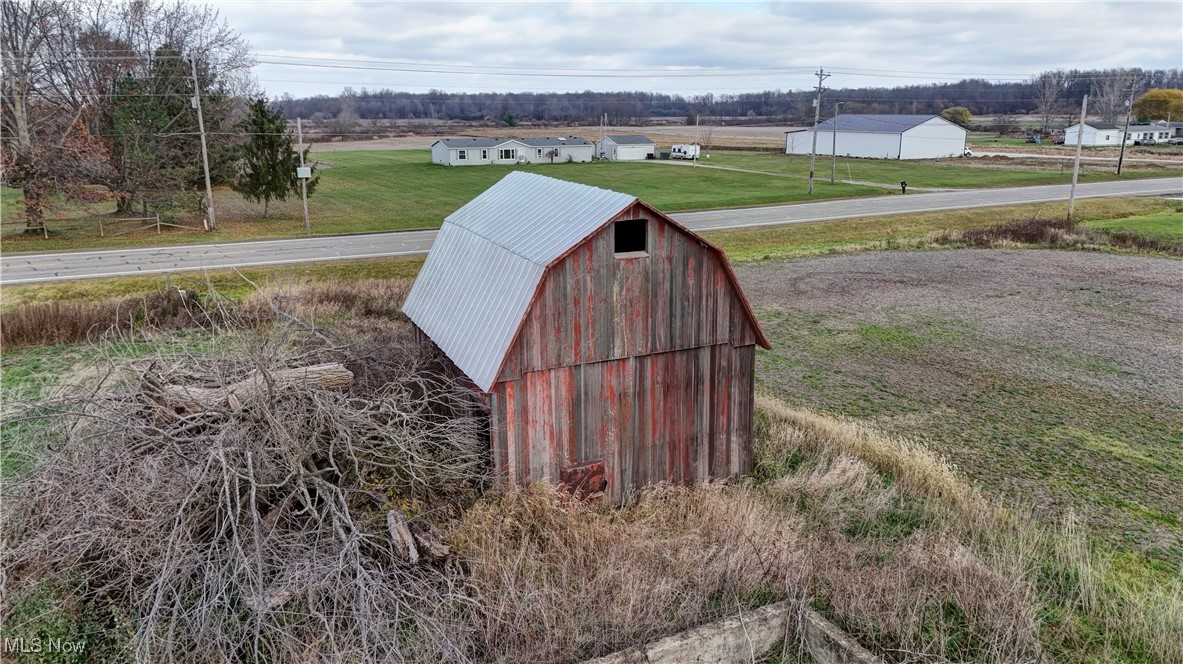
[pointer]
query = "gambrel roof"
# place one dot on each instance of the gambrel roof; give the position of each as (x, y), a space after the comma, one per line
(490, 256)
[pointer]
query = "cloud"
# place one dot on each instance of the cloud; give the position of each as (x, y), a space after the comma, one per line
(652, 45)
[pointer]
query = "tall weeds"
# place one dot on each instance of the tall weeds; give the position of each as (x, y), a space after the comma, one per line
(967, 577)
(1057, 234)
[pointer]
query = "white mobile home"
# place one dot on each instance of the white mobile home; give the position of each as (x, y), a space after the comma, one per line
(1148, 134)
(1094, 134)
(625, 148)
(882, 137)
(484, 151)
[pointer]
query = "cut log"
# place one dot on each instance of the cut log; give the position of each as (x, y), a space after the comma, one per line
(231, 397)
(400, 535)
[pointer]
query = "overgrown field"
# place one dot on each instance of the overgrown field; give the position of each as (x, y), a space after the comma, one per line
(154, 515)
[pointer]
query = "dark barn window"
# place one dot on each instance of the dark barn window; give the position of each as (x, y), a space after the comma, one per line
(630, 236)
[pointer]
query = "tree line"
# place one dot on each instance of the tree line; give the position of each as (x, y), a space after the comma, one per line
(1049, 94)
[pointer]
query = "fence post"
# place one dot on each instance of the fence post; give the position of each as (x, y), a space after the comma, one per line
(158, 223)
(101, 234)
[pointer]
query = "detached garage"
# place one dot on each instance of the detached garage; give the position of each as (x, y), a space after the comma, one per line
(625, 148)
(883, 137)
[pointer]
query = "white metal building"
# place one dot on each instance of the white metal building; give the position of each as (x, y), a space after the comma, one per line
(625, 148)
(882, 137)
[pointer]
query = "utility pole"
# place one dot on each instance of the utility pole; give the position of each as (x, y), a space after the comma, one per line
(1084, 109)
(303, 175)
(1125, 133)
(210, 222)
(834, 144)
(817, 116)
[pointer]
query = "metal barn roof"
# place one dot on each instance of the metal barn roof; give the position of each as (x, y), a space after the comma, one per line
(489, 257)
(877, 124)
(632, 139)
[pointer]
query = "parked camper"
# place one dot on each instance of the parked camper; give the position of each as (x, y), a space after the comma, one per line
(684, 151)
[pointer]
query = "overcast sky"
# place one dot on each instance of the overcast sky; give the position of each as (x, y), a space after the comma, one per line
(689, 47)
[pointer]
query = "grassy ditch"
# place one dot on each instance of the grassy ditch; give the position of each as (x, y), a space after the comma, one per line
(939, 228)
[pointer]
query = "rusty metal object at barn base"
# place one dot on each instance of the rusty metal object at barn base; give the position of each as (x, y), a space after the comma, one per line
(613, 347)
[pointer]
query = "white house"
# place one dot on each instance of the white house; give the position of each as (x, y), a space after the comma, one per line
(1155, 132)
(1094, 134)
(882, 137)
(625, 148)
(484, 151)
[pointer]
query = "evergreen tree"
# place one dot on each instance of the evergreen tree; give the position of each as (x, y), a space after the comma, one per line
(266, 161)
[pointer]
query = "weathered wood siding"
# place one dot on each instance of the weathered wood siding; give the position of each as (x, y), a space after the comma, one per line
(645, 362)
(593, 307)
(680, 416)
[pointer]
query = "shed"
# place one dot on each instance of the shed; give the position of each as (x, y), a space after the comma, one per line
(625, 148)
(882, 137)
(609, 343)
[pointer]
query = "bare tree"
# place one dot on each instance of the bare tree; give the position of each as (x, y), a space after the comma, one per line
(1111, 91)
(31, 112)
(66, 61)
(1046, 92)
(346, 119)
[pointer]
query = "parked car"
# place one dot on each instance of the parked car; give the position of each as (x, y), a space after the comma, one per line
(1176, 141)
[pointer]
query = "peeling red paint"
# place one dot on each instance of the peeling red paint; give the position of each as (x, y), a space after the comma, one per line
(642, 362)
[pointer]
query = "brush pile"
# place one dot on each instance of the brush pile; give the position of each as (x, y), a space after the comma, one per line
(272, 501)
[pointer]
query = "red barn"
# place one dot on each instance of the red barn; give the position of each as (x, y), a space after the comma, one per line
(614, 347)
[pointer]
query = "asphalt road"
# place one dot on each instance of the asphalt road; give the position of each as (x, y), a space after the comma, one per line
(45, 267)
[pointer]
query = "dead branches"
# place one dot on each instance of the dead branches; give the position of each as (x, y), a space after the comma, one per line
(262, 505)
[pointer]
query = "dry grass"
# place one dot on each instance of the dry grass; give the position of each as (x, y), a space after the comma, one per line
(261, 532)
(968, 578)
(1057, 234)
(559, 580)
(70, 321)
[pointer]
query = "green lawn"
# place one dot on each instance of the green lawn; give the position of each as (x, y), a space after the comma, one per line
(950, 173)
(1166, 224)
(401, 189)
